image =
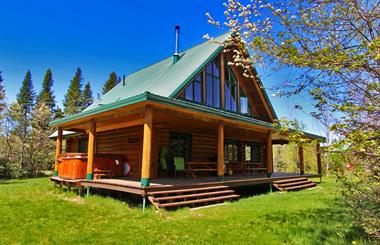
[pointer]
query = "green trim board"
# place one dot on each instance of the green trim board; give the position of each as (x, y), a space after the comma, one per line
(55, 173)
(90, 176)
(148, 97)
(145, 182)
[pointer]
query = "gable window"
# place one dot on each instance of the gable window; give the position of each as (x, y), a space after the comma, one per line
(245, 107)
(231, 89)
(193, 91)
(213, 84)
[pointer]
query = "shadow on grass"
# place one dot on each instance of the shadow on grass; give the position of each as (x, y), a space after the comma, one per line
(328, 224)
(10, 182)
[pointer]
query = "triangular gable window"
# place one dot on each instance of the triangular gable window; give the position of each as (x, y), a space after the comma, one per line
(193, 91)
(206, 89)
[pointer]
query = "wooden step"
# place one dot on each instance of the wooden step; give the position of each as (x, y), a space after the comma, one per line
(294, 183)
(183, 190)
(288, 180)
(193, 196)
(198, 201)
(300, 186)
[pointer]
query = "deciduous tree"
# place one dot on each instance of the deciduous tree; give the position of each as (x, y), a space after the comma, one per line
(331, 50)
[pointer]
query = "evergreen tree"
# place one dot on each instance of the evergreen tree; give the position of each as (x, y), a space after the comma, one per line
(59, 113)
(110, 83)
(87, 98)
(72, 102)
(26, 96)
(46, 95)
(2, 96)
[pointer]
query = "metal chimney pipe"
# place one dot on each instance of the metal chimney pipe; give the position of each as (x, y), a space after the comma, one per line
(176, 49)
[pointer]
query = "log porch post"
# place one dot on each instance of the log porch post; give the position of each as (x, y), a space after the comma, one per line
(147, 145)
(58, 147)
(319, 162)
(269, 154)
(301, 159)
(90, 151)
(221, 151)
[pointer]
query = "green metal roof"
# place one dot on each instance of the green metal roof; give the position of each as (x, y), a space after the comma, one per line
(164, 78)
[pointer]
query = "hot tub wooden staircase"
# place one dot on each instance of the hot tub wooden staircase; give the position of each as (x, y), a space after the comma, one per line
(293, 184)
(191, 197)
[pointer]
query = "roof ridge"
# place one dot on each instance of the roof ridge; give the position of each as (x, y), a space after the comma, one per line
(168, 57)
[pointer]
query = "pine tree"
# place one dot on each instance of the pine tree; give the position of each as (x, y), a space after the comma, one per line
(2, 96)
(87, 98)
(59, 113)
(72, 102)
(46, 95)
(26, 96)
(110, 83)
(25, 100)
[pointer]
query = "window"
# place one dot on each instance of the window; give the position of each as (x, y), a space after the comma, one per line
(213, 84)
(231, 151)
(193, 91)
(245, 107)
(252, 152)
(231, 89)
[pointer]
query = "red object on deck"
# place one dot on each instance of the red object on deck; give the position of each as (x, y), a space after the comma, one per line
(74, 165)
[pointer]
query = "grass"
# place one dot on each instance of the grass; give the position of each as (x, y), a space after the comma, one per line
(34, 211)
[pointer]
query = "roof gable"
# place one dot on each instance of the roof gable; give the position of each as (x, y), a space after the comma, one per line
(163, 78)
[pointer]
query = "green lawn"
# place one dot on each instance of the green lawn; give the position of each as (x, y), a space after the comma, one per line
(34, 211)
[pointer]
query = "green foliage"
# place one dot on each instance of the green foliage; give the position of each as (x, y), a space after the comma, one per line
(2, 97)
(30, 152)
(59, 113)
(46, 95)
(110, 83)
(331, 50)
(26, 95)
(44, 214)
(87, 98)
(73, 98)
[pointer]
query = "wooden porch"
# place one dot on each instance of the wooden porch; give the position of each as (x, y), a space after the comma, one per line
(133, 185)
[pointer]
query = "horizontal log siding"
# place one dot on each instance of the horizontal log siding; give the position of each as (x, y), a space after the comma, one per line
(126, 142)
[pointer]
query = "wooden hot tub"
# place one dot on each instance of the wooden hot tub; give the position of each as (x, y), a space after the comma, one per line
(74, 165)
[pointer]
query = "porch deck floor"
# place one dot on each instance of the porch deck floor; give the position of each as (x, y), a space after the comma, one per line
(133, 185)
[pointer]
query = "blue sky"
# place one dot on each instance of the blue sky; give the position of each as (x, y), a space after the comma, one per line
(104, 36)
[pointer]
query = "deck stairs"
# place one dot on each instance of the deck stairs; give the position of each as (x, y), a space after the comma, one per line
(293, 184)
(191, 197)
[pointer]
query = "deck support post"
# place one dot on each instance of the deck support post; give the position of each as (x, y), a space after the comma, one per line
(301, 159)
(90, 151)
(220, 151)
(58, 147)
(269, 154)
(144, 203)
(147, 145)
(319, 161)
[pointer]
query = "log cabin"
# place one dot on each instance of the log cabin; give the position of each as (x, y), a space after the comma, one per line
(182, 131)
